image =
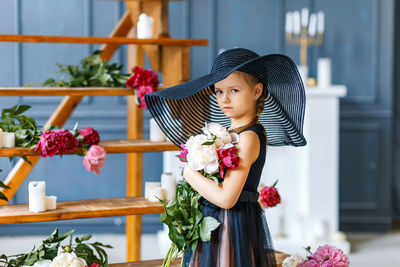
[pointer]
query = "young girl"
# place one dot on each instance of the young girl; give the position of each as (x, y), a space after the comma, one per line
(256, 97)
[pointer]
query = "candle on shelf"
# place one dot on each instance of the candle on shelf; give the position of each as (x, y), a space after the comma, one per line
(324, 72)
(168, 182)
(304, 17)
(289, 23)
(145, 26)
(321, 22)
(296, 22)
(156, 134)
(51, 202)
(37, 193)
(157, 192)
(1, 138)
(313, 25)
(8, 139)
(148, 186)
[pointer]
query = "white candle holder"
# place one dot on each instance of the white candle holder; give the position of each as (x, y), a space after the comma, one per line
(148, 186)
(1, 138)
(324, 72)
(51, 202)
(168, 182)
(37, 194)
(157, 192)
(8, 139)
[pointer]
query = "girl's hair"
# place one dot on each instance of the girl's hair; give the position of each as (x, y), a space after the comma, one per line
(252, 81)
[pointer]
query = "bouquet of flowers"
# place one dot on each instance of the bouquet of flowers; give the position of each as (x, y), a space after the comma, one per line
(51, 253)
(269, 196)
(211, 153)
(324, 256)
(143, 82)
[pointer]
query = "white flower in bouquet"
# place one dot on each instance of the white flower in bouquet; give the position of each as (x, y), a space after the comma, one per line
(292, 261)
(221, 133)
(67, 260)
(202, 157)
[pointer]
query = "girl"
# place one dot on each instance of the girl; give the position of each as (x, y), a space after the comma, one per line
(256, 97)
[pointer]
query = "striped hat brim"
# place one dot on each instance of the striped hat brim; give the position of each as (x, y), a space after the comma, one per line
(182, 110)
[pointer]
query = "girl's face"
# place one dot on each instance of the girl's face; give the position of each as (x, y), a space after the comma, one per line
(236, 97)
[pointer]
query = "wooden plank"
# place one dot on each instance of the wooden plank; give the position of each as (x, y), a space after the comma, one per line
(280, 257)
(64, 91)
(101, 40)
(111, 146)
(91, 208)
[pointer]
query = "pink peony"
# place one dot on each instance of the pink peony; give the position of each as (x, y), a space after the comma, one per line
(94, 158)
(330, 256)
(92, 265)
(228, 159)
(90, 136)
(59, 141)
(49, 144)
(309, 263)
(68, 141)
(183, 155)
(270, 196)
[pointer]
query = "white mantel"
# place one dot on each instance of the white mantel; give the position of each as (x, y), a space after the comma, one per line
(308, 178)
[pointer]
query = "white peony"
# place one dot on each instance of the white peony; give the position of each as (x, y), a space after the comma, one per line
(67, 260)
(292, 261)
(221, 133)
(201, 156)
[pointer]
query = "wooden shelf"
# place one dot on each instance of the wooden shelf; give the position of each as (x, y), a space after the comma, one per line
(92, 208)
(280, 257)
(100, 40)
(111, 146)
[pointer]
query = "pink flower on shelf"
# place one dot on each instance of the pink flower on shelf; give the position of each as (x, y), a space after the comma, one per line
(309, 263)
(330, 256)
(94, 158)
(144, 82)
(228, 158)
(90, 136)
(183, 154)
(270, 196)
(68, 141)
(56, 142)
(49, 144)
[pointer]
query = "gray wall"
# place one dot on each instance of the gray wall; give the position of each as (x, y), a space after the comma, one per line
(359, 35)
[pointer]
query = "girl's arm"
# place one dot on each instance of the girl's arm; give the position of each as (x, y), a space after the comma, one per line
(226, 195)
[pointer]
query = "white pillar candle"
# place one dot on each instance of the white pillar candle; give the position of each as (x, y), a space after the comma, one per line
(51, 202)
(296, 22)
(313, 25)
(321, 22)
(324, 72)
(145, 27)
(148, 186)
(156, 134)
(1, 138)
(8, 139)
(289, 22)
(37, 193)
(157, 192)
(168, 182)
(304, 17)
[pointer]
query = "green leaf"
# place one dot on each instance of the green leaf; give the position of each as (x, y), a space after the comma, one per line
(4, 185)
(3, 197)
(206, 227)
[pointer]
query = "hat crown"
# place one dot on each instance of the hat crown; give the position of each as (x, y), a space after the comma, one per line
(232, 58)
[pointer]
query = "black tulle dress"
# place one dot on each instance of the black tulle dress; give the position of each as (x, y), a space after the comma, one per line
(242, 239)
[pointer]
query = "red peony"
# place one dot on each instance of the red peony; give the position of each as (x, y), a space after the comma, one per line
(228, 158)
(183, 155)
(59, 141)
(90, 136)
(144, 82)
(49, 144)
(270, 196)
(68, 141)
(92, 265)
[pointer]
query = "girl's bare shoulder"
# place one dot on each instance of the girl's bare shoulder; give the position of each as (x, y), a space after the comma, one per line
(249, 142)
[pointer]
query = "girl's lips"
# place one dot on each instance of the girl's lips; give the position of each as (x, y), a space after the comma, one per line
(227, 108)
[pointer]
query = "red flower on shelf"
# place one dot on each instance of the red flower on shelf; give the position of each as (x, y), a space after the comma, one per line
(269, 196)
(143, 82)
(90, 136)
(56, 142)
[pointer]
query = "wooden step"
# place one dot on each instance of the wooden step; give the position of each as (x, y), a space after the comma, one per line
(280, 257)
(111, 146)
(91, 208)
(65, 91)
(100, 40)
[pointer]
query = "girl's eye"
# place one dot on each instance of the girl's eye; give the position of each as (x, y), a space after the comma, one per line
(234, 90)
(218, 92)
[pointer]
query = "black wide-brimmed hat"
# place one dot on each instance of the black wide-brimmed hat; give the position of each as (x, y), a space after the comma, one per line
(182, 110)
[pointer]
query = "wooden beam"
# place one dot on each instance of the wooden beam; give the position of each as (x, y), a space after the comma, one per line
(100, 40)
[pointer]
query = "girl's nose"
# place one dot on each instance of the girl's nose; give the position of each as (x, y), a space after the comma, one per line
(225, 97)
